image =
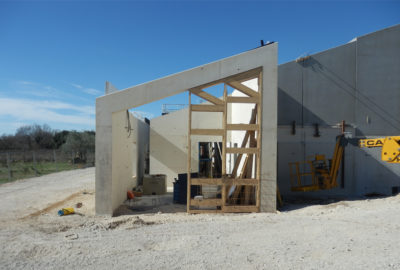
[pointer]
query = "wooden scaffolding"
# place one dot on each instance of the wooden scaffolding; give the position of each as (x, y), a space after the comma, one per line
(238, 191)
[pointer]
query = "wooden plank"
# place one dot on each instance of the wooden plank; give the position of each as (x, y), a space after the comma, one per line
(207, 181)
(222, 181)
(210, 98)
(243, 173)
(189, 155)
(249, 136)
(239, 157)
(216, 132)
(232, 150)
(249, 170)
(279, 197)
(224, 124)
(244, 142)
(241, 182)
(258, 156)
(207, 108)
(235, 196)
(243, 100)
(244, 89)
(242, 127)
(245, 76)
(223, 163)
(247, 174)
(204, 211)
(241, 209)
(206, 202)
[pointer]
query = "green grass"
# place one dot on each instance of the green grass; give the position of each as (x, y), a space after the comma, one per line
(21, 170)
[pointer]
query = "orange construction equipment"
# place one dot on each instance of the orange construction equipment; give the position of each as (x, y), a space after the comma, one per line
(323, 172)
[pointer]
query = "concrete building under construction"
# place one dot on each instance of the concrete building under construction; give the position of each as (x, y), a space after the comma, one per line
(266, 117)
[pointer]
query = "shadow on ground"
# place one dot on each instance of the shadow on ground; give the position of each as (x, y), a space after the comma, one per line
(303, 202)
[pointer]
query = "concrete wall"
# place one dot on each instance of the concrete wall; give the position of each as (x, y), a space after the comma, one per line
(168, 141)
(142, 144)
(377, 108)
(357, 82)
(128, 153)
(124, 170)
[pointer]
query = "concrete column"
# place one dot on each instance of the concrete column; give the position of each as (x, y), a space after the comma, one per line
(269, 127)
(103, 154)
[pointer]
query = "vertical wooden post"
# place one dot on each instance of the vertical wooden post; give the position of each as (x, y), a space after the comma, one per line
(55, 159)
(224, 138)
(9, 167)
(258, 155)
(189, 154)
(34, 162)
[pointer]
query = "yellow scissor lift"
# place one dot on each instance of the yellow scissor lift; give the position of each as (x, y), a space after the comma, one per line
(323, 172)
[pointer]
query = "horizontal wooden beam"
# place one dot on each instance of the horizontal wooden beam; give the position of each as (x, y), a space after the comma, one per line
(240, 209)
(207, 108)
(206, 181)
(204, 211)
(232, 150)
(198, 92)
(244, 89)
(215, 132)
(224, 181)
(231, 99)
(206, 202)
(241, 182)
(242, 127)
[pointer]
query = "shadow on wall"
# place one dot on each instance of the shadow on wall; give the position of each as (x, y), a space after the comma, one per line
(368, 103)
(292, 110)
(170, 157)
(373, 174)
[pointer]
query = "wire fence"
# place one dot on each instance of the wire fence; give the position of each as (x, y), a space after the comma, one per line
(16, 165)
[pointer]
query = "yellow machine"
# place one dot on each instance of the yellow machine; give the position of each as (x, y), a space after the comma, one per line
(390, 147)
(323, 172)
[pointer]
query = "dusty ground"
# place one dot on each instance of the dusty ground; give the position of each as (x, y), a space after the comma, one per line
(363, 234)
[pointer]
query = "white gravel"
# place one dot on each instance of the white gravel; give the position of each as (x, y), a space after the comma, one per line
(363, 234)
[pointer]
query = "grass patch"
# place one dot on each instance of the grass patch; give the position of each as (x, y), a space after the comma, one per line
(21, 170)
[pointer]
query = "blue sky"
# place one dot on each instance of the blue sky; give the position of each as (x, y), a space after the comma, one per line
(55, 56)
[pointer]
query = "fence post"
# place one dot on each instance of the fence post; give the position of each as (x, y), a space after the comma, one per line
(34, 162)
(55, 159)
(9, 166)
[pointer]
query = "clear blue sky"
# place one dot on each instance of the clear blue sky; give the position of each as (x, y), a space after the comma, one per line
(55, 56)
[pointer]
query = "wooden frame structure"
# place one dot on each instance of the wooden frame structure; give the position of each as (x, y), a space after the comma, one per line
(239, 191)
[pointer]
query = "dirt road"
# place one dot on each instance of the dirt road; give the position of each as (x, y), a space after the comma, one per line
(27, 196)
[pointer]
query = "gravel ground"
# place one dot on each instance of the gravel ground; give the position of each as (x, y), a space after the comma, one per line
(354, 234)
